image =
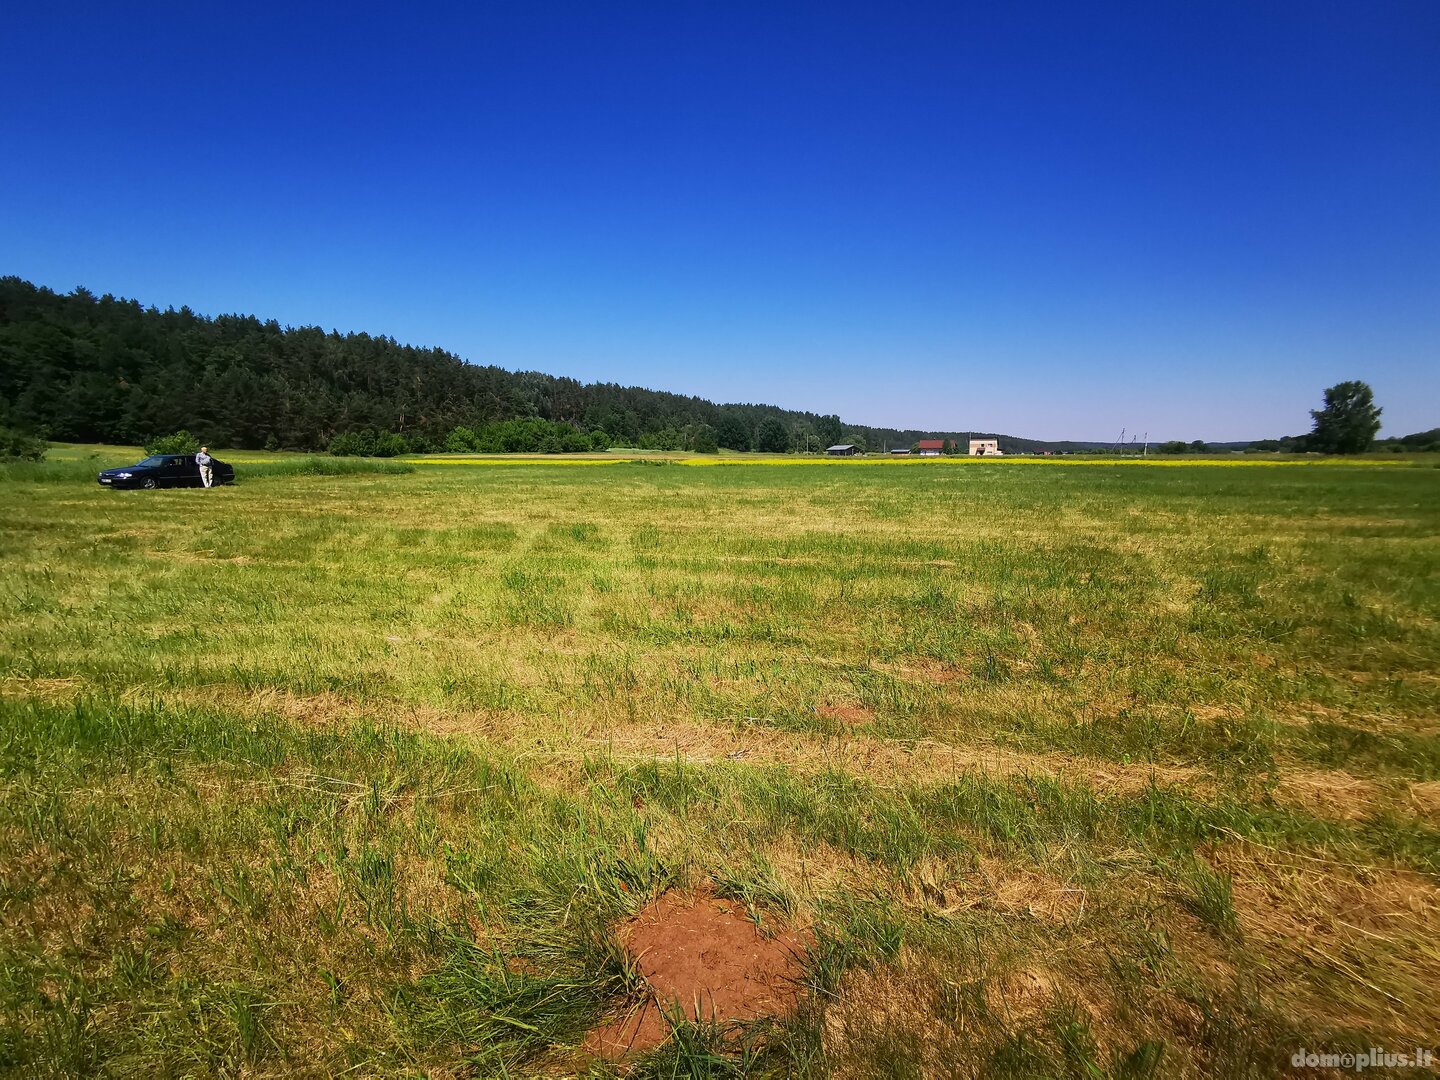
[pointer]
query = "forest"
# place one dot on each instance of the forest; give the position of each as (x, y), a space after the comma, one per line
(86, 368)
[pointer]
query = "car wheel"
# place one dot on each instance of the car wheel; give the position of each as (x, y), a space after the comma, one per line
(149, 482)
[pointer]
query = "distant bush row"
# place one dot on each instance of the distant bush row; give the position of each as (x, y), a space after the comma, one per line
(1420, 442)
(506, 437)
(527, 436)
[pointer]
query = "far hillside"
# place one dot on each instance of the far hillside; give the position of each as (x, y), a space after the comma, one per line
(101, 369)
(86, 368)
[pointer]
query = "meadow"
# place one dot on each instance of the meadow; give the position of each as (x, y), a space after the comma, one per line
(1063, 769)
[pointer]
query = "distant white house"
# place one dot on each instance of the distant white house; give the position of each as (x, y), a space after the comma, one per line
(985, 448)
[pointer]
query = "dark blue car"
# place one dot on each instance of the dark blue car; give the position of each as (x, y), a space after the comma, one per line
(166, 470)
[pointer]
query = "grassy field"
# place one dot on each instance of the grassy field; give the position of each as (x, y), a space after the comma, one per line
(1066, 771)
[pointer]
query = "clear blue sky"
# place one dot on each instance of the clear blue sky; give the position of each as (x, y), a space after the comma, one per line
(1047, 219)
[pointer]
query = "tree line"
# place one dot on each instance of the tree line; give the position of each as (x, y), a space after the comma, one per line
(86, 368)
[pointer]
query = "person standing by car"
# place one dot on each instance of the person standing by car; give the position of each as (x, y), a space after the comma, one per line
(207, 475)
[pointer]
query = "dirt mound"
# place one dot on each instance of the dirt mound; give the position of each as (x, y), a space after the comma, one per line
(706, 957)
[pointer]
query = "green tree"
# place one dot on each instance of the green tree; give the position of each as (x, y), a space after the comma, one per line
(1174, 446)
(1348, 422)
(182, 442)
(1199, 447)
(771, 436)
(701, 439)
(732, 432)
(829, 429)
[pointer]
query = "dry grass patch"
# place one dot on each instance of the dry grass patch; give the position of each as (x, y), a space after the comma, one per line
(1425, 798)
(1017, 891)
(993, 1016)
(1334, 795)
(878, 1010)
(1339, 945)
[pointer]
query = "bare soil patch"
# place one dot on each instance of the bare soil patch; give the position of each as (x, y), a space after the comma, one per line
(704, 957)
(935, 672)
(845, 714)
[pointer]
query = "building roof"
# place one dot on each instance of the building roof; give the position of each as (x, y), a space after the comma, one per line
(932, 444)
(840, 446)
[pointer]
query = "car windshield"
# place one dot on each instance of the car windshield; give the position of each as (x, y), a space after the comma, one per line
(153, 461)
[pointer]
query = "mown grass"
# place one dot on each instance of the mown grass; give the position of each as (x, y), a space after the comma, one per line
(1076, 771)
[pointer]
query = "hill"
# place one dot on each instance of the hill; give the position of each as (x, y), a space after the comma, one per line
(77, 366)
(91, 368)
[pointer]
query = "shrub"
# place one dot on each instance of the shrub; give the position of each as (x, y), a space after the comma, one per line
(369, 443)
(19, 446)
(352, 444)
(460, 441)
(391, 445)
(665, 439)
(703, 439)
(182, 442)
